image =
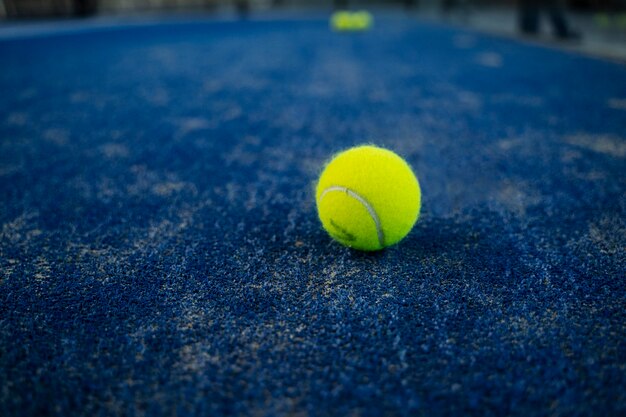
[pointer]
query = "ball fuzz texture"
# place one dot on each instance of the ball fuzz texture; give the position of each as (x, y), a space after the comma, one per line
(368, 198)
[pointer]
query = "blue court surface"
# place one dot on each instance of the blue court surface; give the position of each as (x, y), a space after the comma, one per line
(161, 254)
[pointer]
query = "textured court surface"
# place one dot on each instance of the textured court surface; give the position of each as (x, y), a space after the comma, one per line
(160, 252)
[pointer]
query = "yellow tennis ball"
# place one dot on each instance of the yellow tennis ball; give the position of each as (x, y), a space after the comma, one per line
(361, 20)
(368, 198)
(341, 20)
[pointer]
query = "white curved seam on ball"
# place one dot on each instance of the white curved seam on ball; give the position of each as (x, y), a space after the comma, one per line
(365, 203)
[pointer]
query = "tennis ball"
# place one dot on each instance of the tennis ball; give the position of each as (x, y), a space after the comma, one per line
(344, 20)
(341, 20)
(361, 20)
(368, 198)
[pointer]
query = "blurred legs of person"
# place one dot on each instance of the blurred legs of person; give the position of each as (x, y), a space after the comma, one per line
(529, 14)
(557, 15)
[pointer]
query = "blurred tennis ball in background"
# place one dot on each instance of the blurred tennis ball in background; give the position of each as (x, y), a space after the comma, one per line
(344, 20)
(361, 20)
(341, 20)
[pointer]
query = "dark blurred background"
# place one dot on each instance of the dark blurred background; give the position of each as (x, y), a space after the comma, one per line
(66, 8)
(595, 27)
